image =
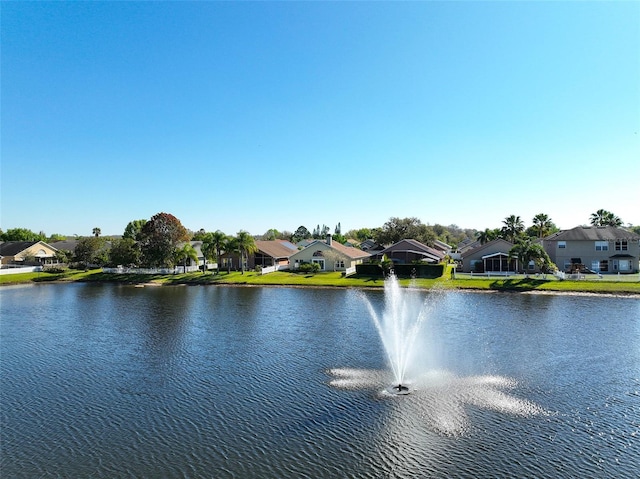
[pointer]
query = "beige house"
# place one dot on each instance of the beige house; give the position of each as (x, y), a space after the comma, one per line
(602, 249)
(27, 252)
(330, 255)
(491, 257)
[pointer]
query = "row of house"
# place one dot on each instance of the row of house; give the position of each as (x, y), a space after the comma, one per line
(601, 249)
(598, 249)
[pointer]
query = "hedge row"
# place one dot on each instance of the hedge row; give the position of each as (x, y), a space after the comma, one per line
(404, 270)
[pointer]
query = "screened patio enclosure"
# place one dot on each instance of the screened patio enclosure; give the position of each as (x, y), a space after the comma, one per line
(499, 262)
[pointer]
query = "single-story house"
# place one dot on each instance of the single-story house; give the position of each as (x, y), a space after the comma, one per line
(407, 251)
(27, 252)
(272, 253)
(329, 254)
(603, 249)
(492, 256)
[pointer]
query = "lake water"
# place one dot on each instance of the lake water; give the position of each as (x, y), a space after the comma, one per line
(108, 381)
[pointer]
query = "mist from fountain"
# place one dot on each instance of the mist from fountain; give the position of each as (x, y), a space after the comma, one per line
(399, 328)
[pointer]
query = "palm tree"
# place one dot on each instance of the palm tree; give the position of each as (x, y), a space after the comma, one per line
(605, 218)
(542, 224)
(96, 231)
(513, 227)
(184, 253)
(486, 235)
(230, 245)
(524, 251)
(246, 245)
(598, 218)
(218, 240)
(208, 249)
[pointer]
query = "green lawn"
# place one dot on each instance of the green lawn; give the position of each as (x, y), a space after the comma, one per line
(334, 279)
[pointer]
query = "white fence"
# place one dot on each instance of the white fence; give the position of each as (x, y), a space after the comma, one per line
(274, 268)
(349, 271)
(20, 269)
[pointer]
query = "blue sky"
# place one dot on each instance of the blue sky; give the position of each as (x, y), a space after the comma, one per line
(259, 115)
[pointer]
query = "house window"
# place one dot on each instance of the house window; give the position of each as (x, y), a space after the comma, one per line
(562, 244)
(602, 246)
(339, 264)
(532, 265)
(317, 253)
(604, 266)
(595, 265)
(320, 262)
(622, 245)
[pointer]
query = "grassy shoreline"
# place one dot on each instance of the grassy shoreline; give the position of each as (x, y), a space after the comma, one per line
(333, 280)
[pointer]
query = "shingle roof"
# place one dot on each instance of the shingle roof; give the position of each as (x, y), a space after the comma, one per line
(12, 248)
(593, 233)
(413, 246)
(275, 249)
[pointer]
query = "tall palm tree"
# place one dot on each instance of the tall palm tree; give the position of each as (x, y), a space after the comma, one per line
(513, 227)
(486, 235)
(246, 245)
(605, 218)
(96, 231)
(218, 240)
(208, 249)
(230, 245)
(542, 224)
(184, 253)
(599, 217)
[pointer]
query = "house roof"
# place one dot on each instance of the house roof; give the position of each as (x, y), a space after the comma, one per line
(413, 246)
(13, 248)
(593, 233)
(68, 245)
(348, 251)
(276, 248)
(496, 245)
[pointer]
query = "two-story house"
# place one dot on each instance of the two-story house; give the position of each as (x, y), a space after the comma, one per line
(603, 249)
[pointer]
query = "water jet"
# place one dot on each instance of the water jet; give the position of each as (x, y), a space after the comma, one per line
(399, 329)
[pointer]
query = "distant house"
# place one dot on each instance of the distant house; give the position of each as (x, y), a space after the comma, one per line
(603, 249)
(329, 254)
(27, 253)
(407, 251)
(492, 256)
(272, 253)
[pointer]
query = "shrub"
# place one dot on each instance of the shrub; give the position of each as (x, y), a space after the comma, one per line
(309, 268)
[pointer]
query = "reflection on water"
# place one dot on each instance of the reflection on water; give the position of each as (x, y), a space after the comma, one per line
(111, 381)
(440, 398)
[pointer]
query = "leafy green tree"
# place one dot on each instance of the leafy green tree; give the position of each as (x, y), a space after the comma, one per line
(133, 229)
(22, 234)
(300, 234)
(199, 235)
(605, 218)
(513, 227)
(91, 251)
(397, 229)
(185, 252)
(64, 256)
(124, 251)
(246, 245)
(159, 238)
(361, 234)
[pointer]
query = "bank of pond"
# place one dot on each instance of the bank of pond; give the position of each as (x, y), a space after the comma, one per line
(614, 284)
